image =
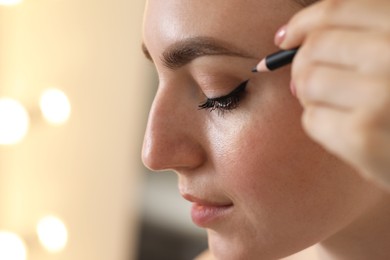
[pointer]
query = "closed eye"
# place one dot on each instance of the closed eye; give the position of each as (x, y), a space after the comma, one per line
(226, 102)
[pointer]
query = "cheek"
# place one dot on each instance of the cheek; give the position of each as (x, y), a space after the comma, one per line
(273, 155)
(265, 161)
(280, 181)
(260, 138)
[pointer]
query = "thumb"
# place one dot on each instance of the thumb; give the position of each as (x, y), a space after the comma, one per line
(293, 34)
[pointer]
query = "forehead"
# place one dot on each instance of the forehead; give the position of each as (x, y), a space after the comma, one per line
(235, 21)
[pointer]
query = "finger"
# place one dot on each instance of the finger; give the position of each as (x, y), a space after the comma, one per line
(351, 140)
(368, 52)
(336, 130)
(342, 89)
(337, 13)
(328, 127)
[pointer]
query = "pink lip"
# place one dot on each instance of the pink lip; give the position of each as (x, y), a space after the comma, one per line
(205, 213)
(204, 216)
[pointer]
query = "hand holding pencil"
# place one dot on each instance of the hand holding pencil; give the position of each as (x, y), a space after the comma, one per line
(341, 76)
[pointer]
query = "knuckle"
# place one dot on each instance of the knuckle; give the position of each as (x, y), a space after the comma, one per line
(305, 80)
(313, 41)
(308, 76)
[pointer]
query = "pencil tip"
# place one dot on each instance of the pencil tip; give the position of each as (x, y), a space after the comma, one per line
(262, 66)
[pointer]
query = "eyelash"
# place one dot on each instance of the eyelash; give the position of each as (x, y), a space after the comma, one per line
(227, 102)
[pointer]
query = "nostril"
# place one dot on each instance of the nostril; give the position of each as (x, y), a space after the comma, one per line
(172, 153)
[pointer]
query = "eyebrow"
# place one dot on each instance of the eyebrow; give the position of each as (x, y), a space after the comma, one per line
(184, 51)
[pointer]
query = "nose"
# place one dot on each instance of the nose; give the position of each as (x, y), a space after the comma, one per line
(173, 137)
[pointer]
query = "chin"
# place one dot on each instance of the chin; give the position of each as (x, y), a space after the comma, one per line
(235, 248)
(221, 249)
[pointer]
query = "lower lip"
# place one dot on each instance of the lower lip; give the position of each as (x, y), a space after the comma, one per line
(204, 215)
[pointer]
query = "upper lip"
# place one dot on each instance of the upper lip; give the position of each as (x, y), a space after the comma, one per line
(205, 202)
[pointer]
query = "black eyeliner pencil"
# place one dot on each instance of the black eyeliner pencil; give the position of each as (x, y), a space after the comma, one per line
(276, 60)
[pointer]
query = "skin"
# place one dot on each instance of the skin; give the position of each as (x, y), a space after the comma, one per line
(342, 78)
(287, 192)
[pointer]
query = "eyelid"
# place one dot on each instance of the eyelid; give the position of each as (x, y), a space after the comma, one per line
(237, 89)
(226, 102)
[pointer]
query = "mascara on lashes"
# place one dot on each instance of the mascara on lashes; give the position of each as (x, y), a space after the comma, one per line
(226, 102)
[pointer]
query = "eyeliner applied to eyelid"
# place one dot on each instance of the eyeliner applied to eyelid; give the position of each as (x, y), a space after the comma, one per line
(226, 102)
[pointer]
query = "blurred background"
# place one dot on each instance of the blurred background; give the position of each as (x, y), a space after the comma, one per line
(75, 91)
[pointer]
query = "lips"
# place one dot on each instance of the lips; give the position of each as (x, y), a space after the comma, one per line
(205, 213)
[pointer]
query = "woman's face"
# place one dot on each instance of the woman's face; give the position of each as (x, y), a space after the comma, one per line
(259, 185)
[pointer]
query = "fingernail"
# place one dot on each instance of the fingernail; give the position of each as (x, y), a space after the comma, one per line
(293, 89)
(280, 35)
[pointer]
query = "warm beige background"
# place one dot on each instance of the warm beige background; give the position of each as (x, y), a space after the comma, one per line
(88, 170)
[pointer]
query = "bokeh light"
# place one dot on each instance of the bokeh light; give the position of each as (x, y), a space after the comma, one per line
(14, 121)
(12, 247)
(55, 106)
(52, 234)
